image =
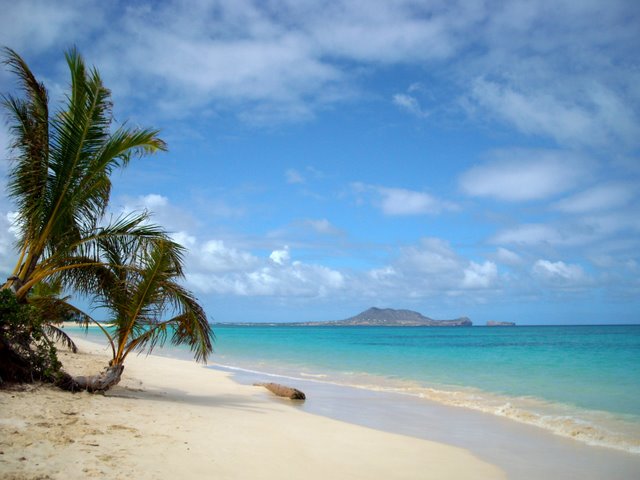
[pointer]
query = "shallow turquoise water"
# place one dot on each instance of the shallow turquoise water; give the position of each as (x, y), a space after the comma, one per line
(577, 381)
(595, 367)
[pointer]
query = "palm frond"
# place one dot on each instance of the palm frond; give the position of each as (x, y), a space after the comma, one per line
(141, 289)
(29, 126)
(76, 262)
(124, 143)
(77, 135)
(55, 310)
(192, 326)
(60, 178)
(61, 336)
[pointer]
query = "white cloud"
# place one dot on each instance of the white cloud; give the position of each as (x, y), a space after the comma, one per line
(216, 257)
(507, 257)
(240, 55)
(521, 175)
(400, 201)
(383, 275)
(162, 212)
(410, 104)
(477, 276)
(577, 232)
(432, 268)
(13, 221)
(235, 272)
(579, 95)
(422, 271)
(539, 114)
(528, 234)
(184, 239)
(216, 266)
(599, 198)
(433, 256)
(280, 256)
(153, 200)
(560, 273)
(386, 32)
(28, 26)
(8, 255)
(570, 234)
(234, 56)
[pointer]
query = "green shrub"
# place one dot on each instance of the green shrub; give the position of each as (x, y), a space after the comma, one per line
(26, 353)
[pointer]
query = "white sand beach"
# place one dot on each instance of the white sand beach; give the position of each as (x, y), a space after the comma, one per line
(172, 418)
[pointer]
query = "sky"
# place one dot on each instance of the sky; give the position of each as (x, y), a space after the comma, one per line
(471, 158)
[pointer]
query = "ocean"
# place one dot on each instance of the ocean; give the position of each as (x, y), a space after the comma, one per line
(580, 382)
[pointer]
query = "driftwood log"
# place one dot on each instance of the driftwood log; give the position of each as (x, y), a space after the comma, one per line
(283, 391)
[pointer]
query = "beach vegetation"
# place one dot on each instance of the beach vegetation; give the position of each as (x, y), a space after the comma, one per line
(26, 351)
(59, 181)
(138, 286)
(59, 178)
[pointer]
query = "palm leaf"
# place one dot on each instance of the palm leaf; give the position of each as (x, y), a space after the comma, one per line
(29, 126)
(60, 178)
(61, 336)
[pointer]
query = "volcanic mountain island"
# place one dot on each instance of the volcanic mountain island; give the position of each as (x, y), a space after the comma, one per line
(389, 317)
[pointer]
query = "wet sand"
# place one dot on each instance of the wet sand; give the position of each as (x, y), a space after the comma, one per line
(524, 452)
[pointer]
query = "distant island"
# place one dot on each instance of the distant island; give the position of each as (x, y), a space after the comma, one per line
(389, 317)
(493, 323)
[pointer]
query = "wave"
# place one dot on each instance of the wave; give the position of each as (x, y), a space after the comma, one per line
(596, 428)
(313, 375)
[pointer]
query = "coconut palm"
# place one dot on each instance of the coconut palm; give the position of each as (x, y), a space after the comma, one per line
(59, 179)
(138, 285)
(53, 308)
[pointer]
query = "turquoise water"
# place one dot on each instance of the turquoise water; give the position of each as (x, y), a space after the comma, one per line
(577, 381)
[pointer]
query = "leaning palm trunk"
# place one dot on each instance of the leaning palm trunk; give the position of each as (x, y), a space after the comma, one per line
(93, 383)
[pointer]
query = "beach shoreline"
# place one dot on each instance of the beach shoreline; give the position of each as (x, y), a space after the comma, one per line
(523, 451)
(554, 387)
(171, 417)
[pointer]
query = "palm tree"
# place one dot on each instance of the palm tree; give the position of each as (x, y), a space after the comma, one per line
(60, 183)
(60, 175)
(137, 284)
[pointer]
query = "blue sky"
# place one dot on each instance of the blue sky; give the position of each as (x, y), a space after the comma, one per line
(470, 158)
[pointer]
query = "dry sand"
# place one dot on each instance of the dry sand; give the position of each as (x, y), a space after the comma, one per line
(173, 419)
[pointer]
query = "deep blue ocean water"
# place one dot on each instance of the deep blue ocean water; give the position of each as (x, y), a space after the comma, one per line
(578, 381)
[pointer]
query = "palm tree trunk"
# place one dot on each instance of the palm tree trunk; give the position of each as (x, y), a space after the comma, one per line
(13, 283)
(94, 383)
(17, 281)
